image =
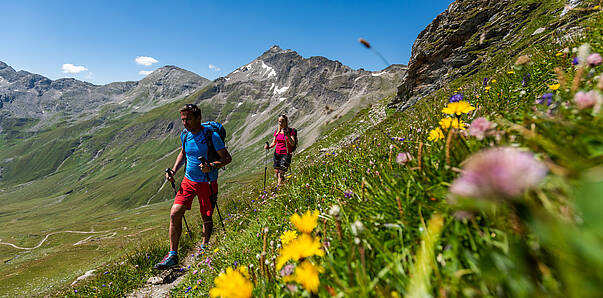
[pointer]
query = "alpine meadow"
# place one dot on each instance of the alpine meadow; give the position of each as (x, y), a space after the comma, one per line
(473, 171)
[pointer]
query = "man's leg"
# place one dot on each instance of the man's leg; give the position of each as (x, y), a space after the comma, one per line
(176, 225)
(208, 228)
(171, 259)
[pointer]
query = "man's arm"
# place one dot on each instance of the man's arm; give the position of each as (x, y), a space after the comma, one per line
(177, 165)
(225, 159)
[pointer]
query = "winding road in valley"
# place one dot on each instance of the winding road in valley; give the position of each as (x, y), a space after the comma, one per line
(46, 238)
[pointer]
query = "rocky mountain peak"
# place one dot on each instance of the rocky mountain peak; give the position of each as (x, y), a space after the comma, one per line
(171, 73)
(27, 95)
(275, 48)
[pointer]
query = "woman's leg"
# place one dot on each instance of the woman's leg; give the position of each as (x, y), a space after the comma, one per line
(278, 176)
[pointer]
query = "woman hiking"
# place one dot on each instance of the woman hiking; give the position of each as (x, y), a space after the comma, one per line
(285, 139)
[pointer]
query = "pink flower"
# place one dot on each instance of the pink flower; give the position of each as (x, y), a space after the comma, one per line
(403, 157)
(587, 100)
(498, 174)
(594, 59)
(479, 128)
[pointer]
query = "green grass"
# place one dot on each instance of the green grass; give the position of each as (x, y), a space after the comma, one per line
(543, 244)
(552, 251)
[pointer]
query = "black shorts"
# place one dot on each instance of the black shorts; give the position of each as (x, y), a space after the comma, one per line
(281, 161)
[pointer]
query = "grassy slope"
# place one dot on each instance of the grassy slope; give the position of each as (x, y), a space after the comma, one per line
(322, 191)
(493, 253)
(482, 255)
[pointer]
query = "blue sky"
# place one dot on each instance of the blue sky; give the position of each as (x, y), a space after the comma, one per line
(105, 37)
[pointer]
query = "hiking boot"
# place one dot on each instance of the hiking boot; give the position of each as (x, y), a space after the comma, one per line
(167, 262)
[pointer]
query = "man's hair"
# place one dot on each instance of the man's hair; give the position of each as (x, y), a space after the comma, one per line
(192, 108)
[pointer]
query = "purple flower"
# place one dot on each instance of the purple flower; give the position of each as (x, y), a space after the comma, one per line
(547, 99)
(287, 270)
(75, 291)
(456, 97)
(587, 100)
(195, 272)
(575, 61)
(525, 80)
(594, 59)
(403, 158)
(348, 194)
(106, 272)
(485, 81)
(479, 128)
(498, 174)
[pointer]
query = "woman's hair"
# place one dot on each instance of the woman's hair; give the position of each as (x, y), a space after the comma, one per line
(193, 108)
(285, 117)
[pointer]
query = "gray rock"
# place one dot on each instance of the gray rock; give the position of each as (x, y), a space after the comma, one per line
(538, 31)
(27, 95)
(450, 46)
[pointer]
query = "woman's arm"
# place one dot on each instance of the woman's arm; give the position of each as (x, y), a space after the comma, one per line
(272, 144)
(289, 137)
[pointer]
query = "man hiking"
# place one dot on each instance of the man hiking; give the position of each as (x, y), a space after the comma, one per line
(196, 145)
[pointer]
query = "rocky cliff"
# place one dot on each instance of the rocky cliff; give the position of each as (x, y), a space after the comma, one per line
(471, 33)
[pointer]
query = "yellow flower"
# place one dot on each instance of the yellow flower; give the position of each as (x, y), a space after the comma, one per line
(288, 236)
(487, 88)
(510, 72)
(306, 274)
(301, 247)
(307, 222)
(558, 54)
(458, 108)
(554, 87)
(493, 81)
(232, 283)
(216, 250)
(448, 122)
(435, 134)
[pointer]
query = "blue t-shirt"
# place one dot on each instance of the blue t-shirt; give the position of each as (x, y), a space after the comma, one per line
(196, 145)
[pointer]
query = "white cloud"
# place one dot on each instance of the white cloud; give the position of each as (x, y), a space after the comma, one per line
(145, 72)
(146, 61)
(70, 68)
(214, 68)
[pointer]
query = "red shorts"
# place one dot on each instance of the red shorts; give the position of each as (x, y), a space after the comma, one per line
(188, 190)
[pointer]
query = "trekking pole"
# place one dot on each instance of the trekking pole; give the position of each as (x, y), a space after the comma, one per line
(265, 165)
(203, 160)
(169, 171)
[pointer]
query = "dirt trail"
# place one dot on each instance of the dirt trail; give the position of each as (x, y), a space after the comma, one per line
(161, 284)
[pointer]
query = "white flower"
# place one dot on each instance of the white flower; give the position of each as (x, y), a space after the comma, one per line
(357, 228)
